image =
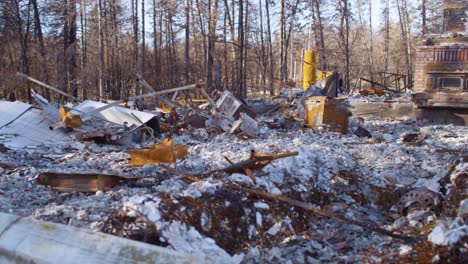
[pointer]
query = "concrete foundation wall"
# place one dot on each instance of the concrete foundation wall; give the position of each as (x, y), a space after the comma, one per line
(382, 109)
(453, 116)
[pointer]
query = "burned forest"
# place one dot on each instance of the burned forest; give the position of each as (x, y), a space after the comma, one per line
(240, 131)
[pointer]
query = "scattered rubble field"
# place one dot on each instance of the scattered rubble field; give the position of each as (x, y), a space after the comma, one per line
(392, 190)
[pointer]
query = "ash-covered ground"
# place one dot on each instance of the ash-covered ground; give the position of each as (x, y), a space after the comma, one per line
(355, 178)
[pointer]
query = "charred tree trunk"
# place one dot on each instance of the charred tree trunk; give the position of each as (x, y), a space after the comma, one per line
(143, 38)
(230, 19)
(270, 50)
(23, 28)
(71, 49)
(405, 34)
(408, 42)
(65, 35)
(322, 40)
(282, 41)
(118, 89)
(262, 50)
(83, 26)
(240, 56)
(344, 33)
(203, 35)
(187, 42)
(212, 21)
(101, 51)
(245, 53)
(423, 17)
(135, 43)
(156, 43)
(387, 35)
(225, 81)
(42, 49)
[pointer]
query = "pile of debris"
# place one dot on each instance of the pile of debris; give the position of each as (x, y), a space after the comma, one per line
(242, 181)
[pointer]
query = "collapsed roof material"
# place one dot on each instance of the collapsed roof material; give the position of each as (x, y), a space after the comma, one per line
(11, 111)
(21, 126)
(116, 114)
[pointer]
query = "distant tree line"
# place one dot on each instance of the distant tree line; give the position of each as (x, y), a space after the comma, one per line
(92, 48)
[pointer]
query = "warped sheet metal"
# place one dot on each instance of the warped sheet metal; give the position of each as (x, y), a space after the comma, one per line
(246, 124)
(25, 126)
(229, 105)
(165, 151)
(70, 120)
(9, 111)
(117, 115)
(50, 108)
(79, 182)
(330, 114)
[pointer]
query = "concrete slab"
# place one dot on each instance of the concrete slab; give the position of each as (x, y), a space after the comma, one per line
(25, 240)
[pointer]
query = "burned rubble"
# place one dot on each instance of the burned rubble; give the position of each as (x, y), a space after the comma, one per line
(234, 132)
(239, 185)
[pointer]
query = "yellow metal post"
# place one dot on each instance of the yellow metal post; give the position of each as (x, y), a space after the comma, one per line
(310, 65)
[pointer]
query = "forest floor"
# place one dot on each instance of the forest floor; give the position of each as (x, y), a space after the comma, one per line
(352, 178)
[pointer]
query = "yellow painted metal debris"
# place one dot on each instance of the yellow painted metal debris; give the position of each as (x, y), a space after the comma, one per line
(310, 65)
(323, 74)
(165, 151)
(69, 119)
(371, 91)
(327, 113)
(124, 104)
(164, 107)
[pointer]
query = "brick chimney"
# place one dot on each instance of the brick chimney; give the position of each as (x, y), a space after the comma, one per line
(442, 64)
(441, 70)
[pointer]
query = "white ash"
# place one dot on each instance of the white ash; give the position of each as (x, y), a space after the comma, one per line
(322, 157)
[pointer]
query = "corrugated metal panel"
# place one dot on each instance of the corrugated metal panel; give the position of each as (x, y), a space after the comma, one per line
(31, 128)
(117, 115)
